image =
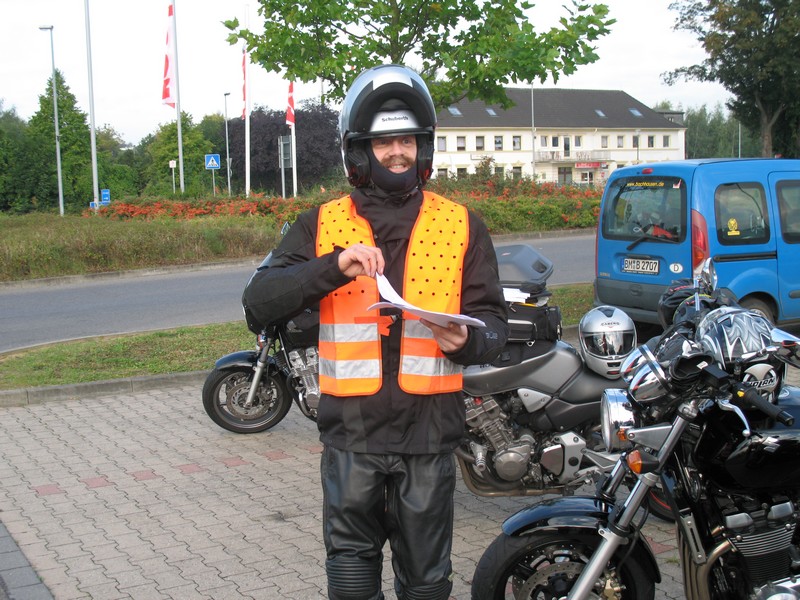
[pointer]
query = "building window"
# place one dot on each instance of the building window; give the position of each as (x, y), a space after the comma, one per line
(498, 142)
(479, 142)
(578, 141)
(604, 141)
(587, 177)
(651, 141)
(499, 171)
(544, 140)
(665, 141)
(516, 142)
(635, 141)
(620, 141)
(441, 144)
(555, 141)
(461, 172)
(516, 172)
(461, 143)
(441, 173)
(454, 111)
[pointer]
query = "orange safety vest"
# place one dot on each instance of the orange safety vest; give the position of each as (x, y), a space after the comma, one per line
(350, 335)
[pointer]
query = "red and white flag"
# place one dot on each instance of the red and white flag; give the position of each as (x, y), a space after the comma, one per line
(244, 83)
(290, 107)
(168, 91)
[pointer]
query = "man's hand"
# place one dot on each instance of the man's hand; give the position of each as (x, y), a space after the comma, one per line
(450, 338)
(361, 260)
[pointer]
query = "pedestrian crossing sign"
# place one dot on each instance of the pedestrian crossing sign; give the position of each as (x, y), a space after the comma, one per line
(212, 161)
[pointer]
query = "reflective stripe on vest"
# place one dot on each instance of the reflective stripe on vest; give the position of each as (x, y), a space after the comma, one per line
(350, 349)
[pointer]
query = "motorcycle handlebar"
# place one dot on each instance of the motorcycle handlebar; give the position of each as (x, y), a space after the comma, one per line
(750, 396)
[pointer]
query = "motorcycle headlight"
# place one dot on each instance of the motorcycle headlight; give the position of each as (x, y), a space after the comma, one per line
(616, 417)
(648, 383)
(633, 361)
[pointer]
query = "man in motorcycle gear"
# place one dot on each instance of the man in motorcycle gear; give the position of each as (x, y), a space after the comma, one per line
(391, 410)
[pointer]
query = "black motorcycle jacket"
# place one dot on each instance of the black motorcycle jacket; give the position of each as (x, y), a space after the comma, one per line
(391, 421)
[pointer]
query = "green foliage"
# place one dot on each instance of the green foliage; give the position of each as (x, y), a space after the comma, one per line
(164, 147)
(462, 48)
(75, 151)
(753, 51)
(716, 134)
(318, 149)
(99, 359)
(46, 245)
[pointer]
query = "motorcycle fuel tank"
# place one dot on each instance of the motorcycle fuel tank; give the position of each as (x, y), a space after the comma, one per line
(766, 460)
(543, 366)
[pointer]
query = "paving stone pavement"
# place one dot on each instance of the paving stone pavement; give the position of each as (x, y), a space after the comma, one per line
(141, 496)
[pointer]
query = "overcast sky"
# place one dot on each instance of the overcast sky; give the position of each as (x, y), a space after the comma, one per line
(128, 42)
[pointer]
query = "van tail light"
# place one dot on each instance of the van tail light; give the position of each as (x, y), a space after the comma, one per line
(700, 250)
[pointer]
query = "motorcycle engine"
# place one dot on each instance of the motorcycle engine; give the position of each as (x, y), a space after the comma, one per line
(762, 535)
(512, 453)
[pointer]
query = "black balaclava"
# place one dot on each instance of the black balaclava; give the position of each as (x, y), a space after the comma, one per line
(394, 185)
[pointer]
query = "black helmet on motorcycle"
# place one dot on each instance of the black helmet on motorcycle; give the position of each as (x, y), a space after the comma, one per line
(607, 335)
(672, 298)
(383, 101)
(729, 332)
(688, 310)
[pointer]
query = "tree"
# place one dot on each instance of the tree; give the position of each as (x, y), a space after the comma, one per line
(163, 147)
(76, 154)
(462, 48)
(318, 150)
(753, 51)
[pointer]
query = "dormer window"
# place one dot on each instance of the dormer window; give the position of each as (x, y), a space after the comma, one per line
(600, 113)
(635, 112)
(454, 111)
(491, 112)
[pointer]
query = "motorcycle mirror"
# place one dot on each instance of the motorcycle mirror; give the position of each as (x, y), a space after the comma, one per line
(708, 276)
(788, 347)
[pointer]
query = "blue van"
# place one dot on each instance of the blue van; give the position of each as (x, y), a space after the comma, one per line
(660, 221)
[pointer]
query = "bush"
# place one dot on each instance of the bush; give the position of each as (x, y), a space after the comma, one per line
(150, 232)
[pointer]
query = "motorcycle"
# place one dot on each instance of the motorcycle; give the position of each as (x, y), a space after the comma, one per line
(533, 417)
(726, 456)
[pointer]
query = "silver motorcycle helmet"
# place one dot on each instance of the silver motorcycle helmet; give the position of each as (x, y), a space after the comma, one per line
(606, 335)
(386, 100)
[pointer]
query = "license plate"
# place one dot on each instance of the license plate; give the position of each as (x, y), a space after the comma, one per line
(640, 265)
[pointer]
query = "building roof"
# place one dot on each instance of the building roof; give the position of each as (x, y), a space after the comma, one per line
(558, 108)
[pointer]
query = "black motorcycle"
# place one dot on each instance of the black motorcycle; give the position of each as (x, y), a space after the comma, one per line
(533, 416)
(693, 421)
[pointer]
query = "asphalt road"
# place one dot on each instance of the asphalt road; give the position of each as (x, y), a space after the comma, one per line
(42, 312)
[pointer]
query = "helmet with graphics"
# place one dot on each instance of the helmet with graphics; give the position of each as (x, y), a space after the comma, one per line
(383, 101)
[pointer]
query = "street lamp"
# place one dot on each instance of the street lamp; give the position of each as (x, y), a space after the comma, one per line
(55, 119)
(227, 150)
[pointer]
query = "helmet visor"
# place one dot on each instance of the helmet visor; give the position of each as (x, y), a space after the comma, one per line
(609, 343)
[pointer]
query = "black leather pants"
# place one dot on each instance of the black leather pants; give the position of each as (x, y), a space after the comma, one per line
(407, 499)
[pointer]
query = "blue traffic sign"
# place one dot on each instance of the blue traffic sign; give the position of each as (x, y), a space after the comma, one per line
(212, 161)
(105, 196)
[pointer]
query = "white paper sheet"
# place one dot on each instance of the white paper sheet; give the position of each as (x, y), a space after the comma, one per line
(393, 300)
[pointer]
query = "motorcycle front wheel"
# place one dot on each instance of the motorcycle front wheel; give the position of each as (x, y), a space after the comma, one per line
(225, 395)
(545, 566)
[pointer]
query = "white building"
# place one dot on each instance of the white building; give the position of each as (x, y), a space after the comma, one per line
(579, 136)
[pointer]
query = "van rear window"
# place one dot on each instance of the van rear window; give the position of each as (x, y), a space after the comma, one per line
(741, 214)
(649, 206)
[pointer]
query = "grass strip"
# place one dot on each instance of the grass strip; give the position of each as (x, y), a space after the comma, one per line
(172, 351)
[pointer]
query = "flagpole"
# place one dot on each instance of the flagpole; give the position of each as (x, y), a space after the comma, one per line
(93, 137)
(177, 93)
(245, 69)
(294, 162)
(291, 122)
